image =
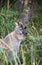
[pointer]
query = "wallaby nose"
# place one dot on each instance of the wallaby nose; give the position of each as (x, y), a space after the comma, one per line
(25, 33)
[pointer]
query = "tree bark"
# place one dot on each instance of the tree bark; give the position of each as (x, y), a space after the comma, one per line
(27, 11)
(8, 1)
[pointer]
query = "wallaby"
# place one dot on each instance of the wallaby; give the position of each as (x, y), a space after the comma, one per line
(13, 40)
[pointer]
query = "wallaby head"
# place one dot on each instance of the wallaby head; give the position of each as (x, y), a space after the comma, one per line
(20, 29)
(14, 38)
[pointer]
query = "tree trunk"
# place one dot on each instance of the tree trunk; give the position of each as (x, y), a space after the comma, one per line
(27, 11)
(8, 1)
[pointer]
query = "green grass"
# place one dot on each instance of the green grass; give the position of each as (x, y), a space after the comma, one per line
(31, 48)
(7, 21)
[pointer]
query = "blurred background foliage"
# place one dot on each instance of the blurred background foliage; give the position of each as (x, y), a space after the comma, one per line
(31, 47)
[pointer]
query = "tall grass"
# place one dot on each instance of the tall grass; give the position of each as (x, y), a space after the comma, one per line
(31, 47)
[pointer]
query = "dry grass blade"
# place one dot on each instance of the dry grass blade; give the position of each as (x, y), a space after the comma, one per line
(4, 44)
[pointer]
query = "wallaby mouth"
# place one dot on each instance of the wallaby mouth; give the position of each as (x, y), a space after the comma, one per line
(25, 33)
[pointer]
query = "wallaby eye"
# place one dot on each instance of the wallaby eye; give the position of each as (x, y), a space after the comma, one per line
(25, 27)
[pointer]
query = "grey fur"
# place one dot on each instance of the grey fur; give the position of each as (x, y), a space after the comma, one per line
(14, 40)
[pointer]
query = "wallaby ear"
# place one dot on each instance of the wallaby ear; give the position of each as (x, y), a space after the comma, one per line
(16, 23)
(20, 23)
